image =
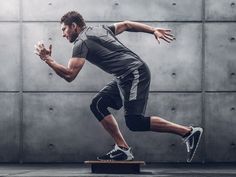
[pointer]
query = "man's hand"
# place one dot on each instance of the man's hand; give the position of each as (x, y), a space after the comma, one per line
(164, 34)
(42, 52)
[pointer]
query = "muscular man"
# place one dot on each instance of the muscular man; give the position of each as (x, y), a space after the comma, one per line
(130, 86)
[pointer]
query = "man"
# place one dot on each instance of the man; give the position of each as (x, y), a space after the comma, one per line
(130, 86)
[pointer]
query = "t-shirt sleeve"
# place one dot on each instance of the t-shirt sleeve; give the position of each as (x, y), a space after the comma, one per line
(80, 50)
(112, 28)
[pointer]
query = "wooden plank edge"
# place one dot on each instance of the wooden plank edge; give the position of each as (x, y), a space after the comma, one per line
(113, 162)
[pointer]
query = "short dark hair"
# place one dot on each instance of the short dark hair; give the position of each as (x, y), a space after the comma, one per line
(73, 17)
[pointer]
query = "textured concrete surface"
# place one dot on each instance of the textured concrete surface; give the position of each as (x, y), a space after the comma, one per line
(10, 10)
(107, 10)
(149, 170)
(220, 117)
(220, 57)
(223, 10)
(10, 57)
(9, 126)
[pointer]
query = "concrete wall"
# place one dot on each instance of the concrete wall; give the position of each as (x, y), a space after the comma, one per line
(45, 119)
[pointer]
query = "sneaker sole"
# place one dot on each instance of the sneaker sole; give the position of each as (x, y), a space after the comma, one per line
(114, 160)
(128, 159)
(200, 136)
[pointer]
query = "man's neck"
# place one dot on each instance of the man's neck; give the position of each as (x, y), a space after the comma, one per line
(81, 29)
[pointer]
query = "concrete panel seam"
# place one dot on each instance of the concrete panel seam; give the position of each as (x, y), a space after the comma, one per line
(97, 91)
(91, 21)
(21, 86)
(203, 81)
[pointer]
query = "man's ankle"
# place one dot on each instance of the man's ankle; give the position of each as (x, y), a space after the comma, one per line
(123, 147)
(188, 133)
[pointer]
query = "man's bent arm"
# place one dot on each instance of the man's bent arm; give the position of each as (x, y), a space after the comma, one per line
(159, 33)
(68, 73)
(133, 27)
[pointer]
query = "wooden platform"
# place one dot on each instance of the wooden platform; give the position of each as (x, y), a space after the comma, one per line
(115, 167)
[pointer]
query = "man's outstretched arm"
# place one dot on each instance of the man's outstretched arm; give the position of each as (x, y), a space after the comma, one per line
(70, 72)
(159, 33)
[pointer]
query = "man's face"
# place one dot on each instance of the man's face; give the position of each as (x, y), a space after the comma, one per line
(69, 32)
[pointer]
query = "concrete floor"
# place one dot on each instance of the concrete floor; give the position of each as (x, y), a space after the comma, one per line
(82, 170)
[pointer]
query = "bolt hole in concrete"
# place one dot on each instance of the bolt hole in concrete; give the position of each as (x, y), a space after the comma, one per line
(232, 39)
(49, 38)
(50, 74)
(173, 109)
(51, 108)
(173, 75)
(49, 3)
(51, 146)
(232, 109)
(174, 4)
(232, 4)
(116, 3)
(233, 144)
(232, 74)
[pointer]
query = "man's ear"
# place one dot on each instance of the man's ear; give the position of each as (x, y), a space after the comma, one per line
(74, 25)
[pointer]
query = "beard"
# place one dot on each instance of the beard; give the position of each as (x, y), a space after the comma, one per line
(74, 36)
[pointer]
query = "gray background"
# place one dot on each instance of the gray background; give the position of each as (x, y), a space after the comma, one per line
(45, 119)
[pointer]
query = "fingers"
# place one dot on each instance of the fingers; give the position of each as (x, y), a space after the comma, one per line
(39, 45)
(164, 34)
(37, 53)
(167, 30)
(50, 49)
(165, 39)
(41, 50)
(37, 48)
(157, 38)
(169, 38)
(169, 34)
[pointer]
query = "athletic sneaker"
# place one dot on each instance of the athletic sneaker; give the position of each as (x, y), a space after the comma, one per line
(117, 154)
(192, 142)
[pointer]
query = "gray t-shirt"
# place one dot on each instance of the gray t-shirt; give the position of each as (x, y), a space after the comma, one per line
(100, 46)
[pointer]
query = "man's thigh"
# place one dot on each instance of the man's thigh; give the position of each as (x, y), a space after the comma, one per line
(111, 92)
(135, 90)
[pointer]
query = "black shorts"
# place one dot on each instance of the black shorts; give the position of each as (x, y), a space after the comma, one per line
(131, 91)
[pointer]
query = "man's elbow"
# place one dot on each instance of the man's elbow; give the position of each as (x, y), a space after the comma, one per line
(127, 25)
(69, 78)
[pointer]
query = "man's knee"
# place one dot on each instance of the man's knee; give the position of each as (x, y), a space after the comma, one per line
(137, 122)
(99, 107)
